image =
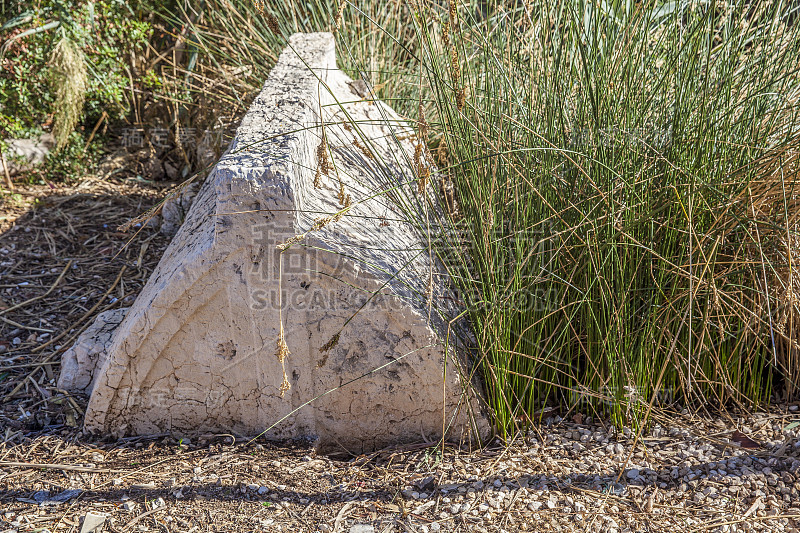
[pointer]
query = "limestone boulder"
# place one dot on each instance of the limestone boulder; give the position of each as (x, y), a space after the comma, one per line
(294, 300)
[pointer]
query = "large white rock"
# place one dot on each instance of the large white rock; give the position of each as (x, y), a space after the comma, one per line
(196, 352)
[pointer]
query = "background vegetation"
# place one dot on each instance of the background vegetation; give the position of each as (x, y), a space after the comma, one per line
(619, 178)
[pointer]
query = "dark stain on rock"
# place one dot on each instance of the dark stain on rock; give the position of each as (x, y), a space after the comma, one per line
(226, 350)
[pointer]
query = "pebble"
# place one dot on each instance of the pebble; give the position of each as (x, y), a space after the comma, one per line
(93, 522)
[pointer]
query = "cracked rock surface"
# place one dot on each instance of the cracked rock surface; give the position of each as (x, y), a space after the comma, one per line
(79, 364)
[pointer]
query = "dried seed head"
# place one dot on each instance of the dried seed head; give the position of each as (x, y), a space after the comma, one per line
(363, 149)
(422, 185)
(321, 223)
(453, 10)
(337, 22)
(330, 344)
(446, 34)
(290, 241)
(282, 353)
(324, 165)
(347, 203)
(422, 124)
(285, 385)
(441, 152)
(323, 159)
(272, 23)
(283, 350)
(455, 68)
(461, 97)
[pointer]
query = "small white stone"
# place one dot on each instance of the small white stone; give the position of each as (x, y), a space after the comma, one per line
(93, 522)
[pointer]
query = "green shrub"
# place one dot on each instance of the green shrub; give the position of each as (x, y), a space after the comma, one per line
(104, 34)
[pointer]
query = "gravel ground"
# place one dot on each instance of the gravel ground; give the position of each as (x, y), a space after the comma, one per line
(689, 474)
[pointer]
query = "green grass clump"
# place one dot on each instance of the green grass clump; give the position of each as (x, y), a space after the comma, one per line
(626, 176)
(620, 180)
